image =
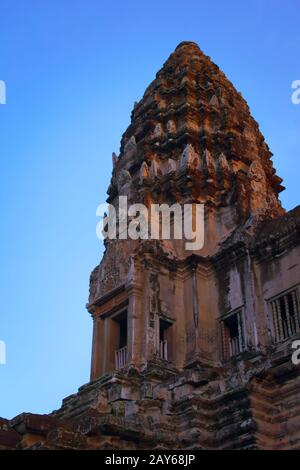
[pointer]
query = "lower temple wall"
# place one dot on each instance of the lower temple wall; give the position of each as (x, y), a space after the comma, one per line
(245, 407)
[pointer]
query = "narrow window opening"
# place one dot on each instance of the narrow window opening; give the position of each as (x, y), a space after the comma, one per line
(121, 352)
(233, 335)
(123, 332)
(164, 328)
(285, 312)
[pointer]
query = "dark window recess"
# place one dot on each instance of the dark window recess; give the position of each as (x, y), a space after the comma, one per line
(233, 335)
(121, 357)
(123, 332)
(163, 342)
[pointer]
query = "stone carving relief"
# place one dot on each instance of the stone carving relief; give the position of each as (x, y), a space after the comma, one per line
(158, 131)
(109, 276)
(223, 163)
(189, 158)
(258, 185)
(130, 144)
(168, 248)
(171, 167)
(154, 310)
(171, 127)
(114, 159)
(214, 101)
(93, 284)
(154, 170)
(208, 161)
(144, 172)
(154, 293)
(124, 182)
(257, 174)
(165, 309)
(131, 271)
(115, 266)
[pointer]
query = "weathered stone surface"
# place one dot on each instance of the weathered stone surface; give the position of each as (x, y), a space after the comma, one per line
(9, 438)
(225, 379)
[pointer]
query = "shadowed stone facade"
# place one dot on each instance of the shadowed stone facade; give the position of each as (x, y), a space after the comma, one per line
(201, 340)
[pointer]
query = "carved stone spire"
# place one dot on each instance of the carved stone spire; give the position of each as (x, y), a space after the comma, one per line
(191, 110)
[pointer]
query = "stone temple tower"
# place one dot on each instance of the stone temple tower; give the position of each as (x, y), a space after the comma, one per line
(192, 348)
(191, 140)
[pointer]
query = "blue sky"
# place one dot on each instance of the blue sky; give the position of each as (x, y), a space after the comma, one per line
(73, 70)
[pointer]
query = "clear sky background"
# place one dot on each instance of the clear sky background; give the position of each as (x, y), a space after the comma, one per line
(73, 69)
